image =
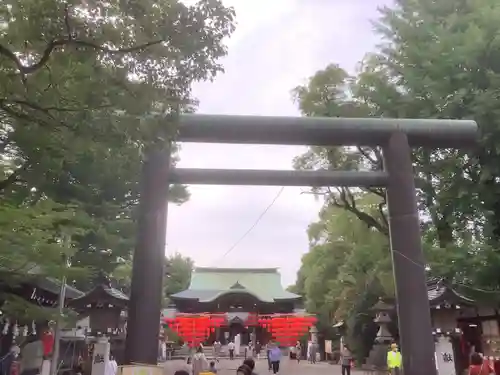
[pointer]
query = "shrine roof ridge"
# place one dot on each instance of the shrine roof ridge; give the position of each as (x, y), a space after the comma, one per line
(209, 283)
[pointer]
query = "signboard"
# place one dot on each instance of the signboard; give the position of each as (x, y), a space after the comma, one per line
(445, 361)
(100, 357)
(328, 346)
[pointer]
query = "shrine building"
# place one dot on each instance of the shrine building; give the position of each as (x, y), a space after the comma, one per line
(239, 295)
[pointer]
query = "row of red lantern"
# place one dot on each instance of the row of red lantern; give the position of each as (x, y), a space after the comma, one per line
(194, 329)
(287, 329)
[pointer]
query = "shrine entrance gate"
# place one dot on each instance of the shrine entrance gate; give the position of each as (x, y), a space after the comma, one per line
(394, 136)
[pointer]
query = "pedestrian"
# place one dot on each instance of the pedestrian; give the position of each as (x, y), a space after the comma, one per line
(258, 348)
(217, 347)
(199, 362)
(212, 368)
(298, 351)
(244, 370)
(309, 351)
(478, 366)
(314, 351)
(346, 360)
(268, 350)
(394, 360)
(111, 366)
(275, 358)
(250, 363)
(231, 348)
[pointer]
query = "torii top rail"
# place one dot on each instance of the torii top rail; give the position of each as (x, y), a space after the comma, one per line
(324, 131)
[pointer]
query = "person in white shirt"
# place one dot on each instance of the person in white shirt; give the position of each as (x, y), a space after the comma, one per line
(231, 348)
(199, 362)
(111, 366)
(217, 346)
(310, 352)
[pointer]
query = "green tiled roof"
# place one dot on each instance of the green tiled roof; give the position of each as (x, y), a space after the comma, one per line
(207, 284)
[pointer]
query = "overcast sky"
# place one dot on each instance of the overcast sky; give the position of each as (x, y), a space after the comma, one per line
(277, 45)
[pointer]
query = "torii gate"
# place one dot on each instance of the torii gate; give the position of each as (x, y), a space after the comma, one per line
(395, 136)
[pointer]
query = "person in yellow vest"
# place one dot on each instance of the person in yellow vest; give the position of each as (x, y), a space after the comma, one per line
(394, 360)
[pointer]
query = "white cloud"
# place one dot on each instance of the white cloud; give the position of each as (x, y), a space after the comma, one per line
(277, 46)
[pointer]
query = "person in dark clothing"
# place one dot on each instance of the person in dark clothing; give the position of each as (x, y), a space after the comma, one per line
(250, 363)
(268, 350)
(212, 367)
(244, 370)
(346, 359)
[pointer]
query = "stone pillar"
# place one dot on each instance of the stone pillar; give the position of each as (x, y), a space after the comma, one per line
(445, 359)
(415, 329)
(144, 308)
(100, 356)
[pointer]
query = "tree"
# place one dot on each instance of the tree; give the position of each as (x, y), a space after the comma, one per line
(347, 268)
(406, 79)
(85, 88)
(438, 60)
(178, 274)
(176, 278)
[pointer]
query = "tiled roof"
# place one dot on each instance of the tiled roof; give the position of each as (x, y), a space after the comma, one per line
(440, 292)
(99, 293)
(54, 286)
(207, 284)
(115, 293)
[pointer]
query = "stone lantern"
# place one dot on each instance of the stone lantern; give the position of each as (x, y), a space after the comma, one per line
(104, 306)
(382, 318)
(378, 354)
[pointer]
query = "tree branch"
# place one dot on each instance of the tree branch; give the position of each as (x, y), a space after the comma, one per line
(28, 69)
(347, 202)
(382, 213)
(13, 177)
(366, 154)
(7, 108)
(48, 109)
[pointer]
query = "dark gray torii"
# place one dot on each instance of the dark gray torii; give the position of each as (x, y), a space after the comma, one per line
(395, 136)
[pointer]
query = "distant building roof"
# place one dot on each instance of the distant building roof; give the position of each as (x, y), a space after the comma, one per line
(101, 294)
(441, 292)
(54, 286)
(207, 284)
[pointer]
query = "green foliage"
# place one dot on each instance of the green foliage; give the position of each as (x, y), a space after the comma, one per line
(439, 59)
(85, 89)
(177, 275)
(347, 268)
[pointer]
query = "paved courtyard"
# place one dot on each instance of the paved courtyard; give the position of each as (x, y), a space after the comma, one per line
(288, 367)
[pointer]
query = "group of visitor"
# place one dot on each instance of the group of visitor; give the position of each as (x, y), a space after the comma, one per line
(394, 360)
(200, 365)
(478, 364)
